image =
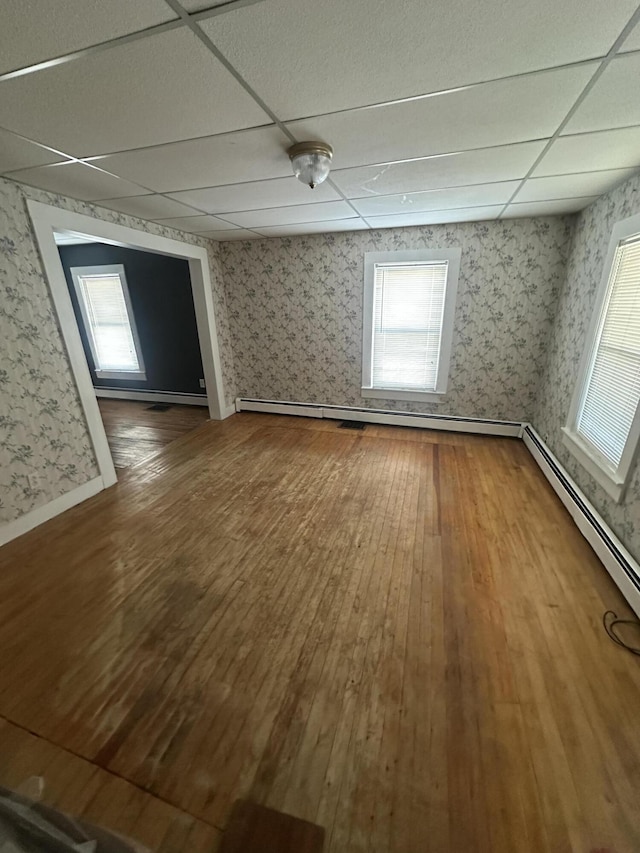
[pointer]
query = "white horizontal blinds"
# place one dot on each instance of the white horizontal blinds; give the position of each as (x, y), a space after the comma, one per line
(612, 392)
(407, 324)
(109, 324)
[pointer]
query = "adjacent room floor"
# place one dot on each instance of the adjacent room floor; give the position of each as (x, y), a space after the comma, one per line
(136, 430)
(393, 633)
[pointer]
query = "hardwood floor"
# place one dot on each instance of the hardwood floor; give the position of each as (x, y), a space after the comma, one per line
(135, 432)
(393, 633)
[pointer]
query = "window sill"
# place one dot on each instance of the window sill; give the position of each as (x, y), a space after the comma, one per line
(137, 375)
(612, 483)
(396, 394)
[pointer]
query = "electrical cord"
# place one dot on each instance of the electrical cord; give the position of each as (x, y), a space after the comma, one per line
(609, 625)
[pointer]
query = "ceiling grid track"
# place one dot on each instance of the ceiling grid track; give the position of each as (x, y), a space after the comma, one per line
(630, 25)
(204, 38)
(397, 201)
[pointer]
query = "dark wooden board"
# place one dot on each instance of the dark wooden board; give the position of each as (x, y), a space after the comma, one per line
(256, 829)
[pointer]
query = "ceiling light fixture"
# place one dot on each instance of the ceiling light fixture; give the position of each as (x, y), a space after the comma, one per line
(311, 161)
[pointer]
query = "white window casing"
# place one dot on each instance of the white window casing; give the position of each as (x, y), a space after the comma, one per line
(105, 305)
(603, 427)
(409, 305)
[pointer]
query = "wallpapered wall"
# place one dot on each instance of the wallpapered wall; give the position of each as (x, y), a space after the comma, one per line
(295, 308)
(42, 426)
(572, 318)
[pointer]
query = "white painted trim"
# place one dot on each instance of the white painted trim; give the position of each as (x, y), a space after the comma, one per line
(42, 217)
(46, 219)
(613, 481)
(151, 396)
(452, 256)
(278, 408)
(393, 418)
(396, 394)
(620, 564)
(77, 275)
(229, 410)
(599, 470)
(37, 516)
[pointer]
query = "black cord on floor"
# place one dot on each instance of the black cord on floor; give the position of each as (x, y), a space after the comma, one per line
(609, 625)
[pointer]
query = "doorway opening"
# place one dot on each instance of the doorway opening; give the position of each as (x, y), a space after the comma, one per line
(103, 335)
(137, 323)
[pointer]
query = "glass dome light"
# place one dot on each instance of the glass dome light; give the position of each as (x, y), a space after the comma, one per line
(311, 161)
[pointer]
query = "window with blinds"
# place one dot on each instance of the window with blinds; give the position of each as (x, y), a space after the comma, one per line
(605, 418)
(612, 391)
(409, 304)
(407, 325)
(106, 310)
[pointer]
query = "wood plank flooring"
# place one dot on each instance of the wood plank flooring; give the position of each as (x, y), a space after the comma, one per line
(135, 432)
(394, 634)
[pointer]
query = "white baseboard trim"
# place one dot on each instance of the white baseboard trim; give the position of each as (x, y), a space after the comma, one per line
(228, 411)
(152, 396)
(382, 416)
(620, 564)
(37, 516)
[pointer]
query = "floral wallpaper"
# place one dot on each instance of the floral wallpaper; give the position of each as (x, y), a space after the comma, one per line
(295, 309)
(45, 449)
(566, 344)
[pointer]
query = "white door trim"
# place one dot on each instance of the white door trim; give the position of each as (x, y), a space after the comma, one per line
(46, 220)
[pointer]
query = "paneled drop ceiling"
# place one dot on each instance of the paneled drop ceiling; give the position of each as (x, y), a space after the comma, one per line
(446, 111)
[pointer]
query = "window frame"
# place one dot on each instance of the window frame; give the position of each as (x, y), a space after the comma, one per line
(452, 256)
(613, 481)
(109, 269)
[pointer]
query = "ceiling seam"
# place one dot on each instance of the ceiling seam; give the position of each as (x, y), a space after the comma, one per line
(220, 215)
(89, 160)
(452, 89)
(256, 228)
(136, 35)
(64, 58)
(597, 74)
(383, 195)
(90, 157)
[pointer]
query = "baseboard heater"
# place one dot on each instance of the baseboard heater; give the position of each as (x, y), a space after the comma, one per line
(448, 423)
(152, 396)
(619, 563)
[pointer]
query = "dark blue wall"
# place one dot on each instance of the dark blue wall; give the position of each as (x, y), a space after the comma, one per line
(162, 302)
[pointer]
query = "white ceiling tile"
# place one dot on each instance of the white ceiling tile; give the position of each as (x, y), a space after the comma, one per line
(517, 110)
(336, 55)
(570, 186)
(590, 152)
(256, 194)
(76, 180)
(245, 156)
(292, 214)
(149, 207)
(196, 224)
(330, 227)
(436, 217)
(503, 163)
(155, 90)
(547, 208)
(236, 234)
(613, 101)
(18, 153)
(474, 196)
(33, 30)
(633, 40)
